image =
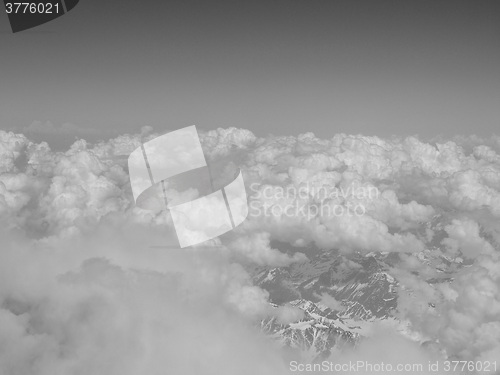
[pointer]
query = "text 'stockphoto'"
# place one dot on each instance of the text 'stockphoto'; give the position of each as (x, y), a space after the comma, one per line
(250, 188)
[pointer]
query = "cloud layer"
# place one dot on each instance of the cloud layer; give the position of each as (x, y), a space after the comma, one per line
(85, 290)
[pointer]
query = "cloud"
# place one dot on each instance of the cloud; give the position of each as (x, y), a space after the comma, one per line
(69, 310)
(386, 351)
(256, 249)
(287, 314)
(464, 236)
(331, 302)
(84, 289)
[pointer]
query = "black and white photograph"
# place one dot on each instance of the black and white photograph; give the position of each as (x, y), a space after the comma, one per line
(250, 187)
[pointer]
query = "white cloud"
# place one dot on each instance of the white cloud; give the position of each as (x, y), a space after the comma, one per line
(83, 291)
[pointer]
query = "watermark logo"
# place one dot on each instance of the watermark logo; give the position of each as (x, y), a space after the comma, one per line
(309, 201)
(26, 15)
(198, 220)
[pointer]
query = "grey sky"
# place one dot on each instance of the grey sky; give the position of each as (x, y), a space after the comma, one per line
(281, 67)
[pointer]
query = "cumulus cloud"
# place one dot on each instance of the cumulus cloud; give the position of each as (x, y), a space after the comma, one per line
(100, 304)
(256, 248)
(84, 287)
